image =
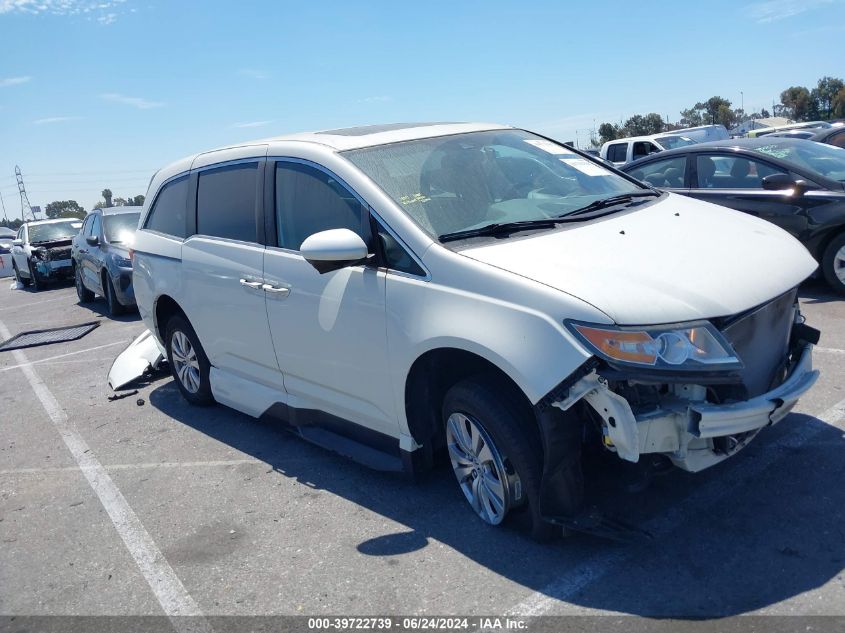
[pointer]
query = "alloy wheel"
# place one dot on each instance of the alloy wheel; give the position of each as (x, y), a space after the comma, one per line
(478, 467)
(839, 264)
(185, 361)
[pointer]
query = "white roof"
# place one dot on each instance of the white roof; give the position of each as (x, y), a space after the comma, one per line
(53, 221)
(343, 139)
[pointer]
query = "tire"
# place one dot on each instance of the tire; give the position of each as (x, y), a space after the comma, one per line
(493, 408)
(833, 264)
(37, 282)
(195, 386)
(115, 307)
(24, 281)
(85, 295)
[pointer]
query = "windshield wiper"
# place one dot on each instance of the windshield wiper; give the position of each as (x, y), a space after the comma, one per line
(502, 228)
(613, 201)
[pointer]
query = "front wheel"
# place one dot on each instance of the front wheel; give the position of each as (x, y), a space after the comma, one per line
(833, 264)
(496, 458)
(21, 280)
(36, 280)
(188, 363)
(115, 307)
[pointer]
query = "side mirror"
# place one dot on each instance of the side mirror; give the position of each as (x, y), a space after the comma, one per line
(781, 182)
(17, 242)
(92, 240)
(333, 249)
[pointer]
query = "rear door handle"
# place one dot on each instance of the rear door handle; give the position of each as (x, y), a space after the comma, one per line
(255, 285)
(281, 291)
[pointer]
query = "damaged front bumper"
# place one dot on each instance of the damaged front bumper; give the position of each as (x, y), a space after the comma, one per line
(692, 432)
(144, 354)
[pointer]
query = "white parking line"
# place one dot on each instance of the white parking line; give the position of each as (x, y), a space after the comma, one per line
(829, 350)
(142, 466)
(36, 303)
(574, 580)
(168, 589)
(52, 358)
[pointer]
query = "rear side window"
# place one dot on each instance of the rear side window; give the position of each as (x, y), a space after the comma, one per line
(837, 140)
(617, 153)
(662, 173)
(309, 200)
(169, 210)
(226, 202)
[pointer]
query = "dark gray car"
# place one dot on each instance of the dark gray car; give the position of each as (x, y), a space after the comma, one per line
(101, 260)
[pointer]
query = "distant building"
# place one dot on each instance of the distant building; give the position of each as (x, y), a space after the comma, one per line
(755, 124)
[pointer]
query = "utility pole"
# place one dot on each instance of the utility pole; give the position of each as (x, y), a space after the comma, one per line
(3, 202)
(26, 208)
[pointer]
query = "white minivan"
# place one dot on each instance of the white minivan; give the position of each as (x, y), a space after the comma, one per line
(401, 291)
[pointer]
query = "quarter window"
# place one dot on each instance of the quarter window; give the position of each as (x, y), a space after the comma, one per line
(169, 210)
(226, 202)
(95, 225)
(662, 173)
(309, 200)
(617, 153)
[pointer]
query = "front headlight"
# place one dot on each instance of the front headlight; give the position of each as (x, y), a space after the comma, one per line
(122, 262)
(689, 347)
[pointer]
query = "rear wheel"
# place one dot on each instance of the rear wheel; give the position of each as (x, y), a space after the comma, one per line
(188, 363)
(82, 292)
(24, 281)
(496, 458)
(833, 264)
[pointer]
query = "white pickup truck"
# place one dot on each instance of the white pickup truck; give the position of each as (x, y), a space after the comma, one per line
(625, 150)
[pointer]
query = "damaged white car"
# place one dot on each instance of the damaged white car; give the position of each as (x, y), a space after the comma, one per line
(392, 291)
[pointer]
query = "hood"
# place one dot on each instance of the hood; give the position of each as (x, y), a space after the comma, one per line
(53, 243)
(675, 260)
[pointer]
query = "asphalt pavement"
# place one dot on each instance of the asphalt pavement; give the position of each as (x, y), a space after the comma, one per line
(148, 506)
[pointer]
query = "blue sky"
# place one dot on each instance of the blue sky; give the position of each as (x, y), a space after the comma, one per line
(101, 93)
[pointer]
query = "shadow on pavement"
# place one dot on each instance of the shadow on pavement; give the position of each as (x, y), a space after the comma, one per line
(771, 537)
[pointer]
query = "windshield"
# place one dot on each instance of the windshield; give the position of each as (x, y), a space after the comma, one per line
(671, 142)
(827, 160)
(53, 231)
(120, 228)
(464, 181)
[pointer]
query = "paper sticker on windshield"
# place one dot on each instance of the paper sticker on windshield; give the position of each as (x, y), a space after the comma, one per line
(548, 146)
(584, 166)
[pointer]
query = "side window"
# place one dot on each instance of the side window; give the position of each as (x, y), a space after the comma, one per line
(95, 225)
(731, 172)
(837, 140)
(226, 202)
(644, 148)
(617, 153)
(86, 226)
(662, 173)
(22, 234)
(309, 200)
(169, 210)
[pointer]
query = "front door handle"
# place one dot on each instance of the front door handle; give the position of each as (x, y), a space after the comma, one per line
(255, 285)
(281, 291)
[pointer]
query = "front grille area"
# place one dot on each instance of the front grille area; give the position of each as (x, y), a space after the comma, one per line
(761, 339)
(60, 253)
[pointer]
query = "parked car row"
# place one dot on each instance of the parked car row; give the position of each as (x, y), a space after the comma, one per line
(95, 252)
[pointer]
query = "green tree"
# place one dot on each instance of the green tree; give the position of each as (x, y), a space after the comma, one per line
(797, 102)
(608, 132)
(137, 201)
(107, 195)
(59, 208)
(644, 125)
(119, 202)
(824, 95)
(694, 116)
(838, 105)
